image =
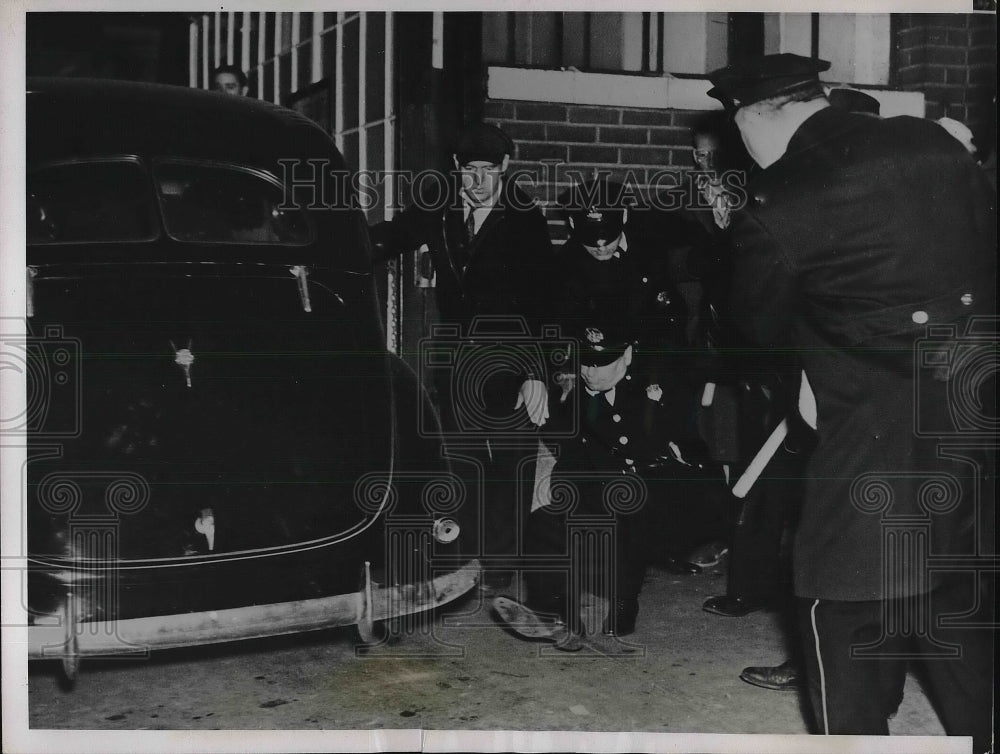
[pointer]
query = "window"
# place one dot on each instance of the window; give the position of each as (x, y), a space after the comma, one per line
(206, 203)
(857, 44)
(90, 201)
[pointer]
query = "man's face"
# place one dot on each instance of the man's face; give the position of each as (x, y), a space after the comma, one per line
(604, 250)
(602, 378)
(706, 150)
(481, 180)
(227, 83)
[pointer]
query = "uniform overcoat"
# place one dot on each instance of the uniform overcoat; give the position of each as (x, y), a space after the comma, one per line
(861, 237)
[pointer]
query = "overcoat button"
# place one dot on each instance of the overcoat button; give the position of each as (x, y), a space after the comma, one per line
(616, 418)
(967, 299)
(920, 317)
(623, 440)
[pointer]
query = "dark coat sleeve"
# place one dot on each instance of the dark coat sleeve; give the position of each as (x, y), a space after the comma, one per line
(406, 232)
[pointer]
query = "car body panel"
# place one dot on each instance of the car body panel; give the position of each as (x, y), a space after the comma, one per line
(225, 394)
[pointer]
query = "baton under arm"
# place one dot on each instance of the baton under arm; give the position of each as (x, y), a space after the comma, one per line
(760, 461)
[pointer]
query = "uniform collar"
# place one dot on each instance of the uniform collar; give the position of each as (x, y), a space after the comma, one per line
(609, 395)
(822, 126)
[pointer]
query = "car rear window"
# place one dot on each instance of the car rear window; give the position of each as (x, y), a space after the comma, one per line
(88, 201)
(210, 203)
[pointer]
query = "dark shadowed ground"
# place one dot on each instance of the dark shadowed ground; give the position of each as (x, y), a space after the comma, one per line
(461, 671)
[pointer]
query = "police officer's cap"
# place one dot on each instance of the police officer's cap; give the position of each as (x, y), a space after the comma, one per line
(760, 78)
(854, 100)
(483, 142)
(597, 210)
(601, 343)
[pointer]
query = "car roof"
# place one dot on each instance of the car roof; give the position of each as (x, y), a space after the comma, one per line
(74, 117)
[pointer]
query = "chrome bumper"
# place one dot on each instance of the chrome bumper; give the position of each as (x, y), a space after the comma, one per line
(53, 637)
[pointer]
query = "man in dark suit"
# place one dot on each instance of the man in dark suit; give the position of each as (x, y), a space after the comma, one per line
(863, 238)
(492, 258)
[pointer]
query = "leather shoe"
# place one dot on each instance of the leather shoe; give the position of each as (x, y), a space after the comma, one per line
(709, 555)
(620, 620)
(783, 677)
(730, 607)
(528, 624)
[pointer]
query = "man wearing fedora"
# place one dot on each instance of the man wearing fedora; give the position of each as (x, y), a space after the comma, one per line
(863, 237)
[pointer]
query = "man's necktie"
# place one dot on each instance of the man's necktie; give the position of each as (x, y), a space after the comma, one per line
(470, 227)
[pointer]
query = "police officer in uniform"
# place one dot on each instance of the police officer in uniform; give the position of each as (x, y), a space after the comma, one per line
(631, 475)
(861, 233)
(616, 267)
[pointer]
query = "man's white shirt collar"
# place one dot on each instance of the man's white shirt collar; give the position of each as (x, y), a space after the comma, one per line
(479, 211)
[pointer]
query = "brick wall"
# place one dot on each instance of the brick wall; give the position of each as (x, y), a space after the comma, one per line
(647, 148)
(951, 58)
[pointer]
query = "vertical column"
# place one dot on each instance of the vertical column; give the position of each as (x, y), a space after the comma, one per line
(394, 297)
(317, 47)
(261, 52)
(230, 38)
(193, 54)
(437, 41)
(296, 38)
(97, 536)
(907, 608)
(906, 542)
(205, 83)
(654, 43)
(338, 110)
(390, 105)
(630, 41)
(408, 539)
(245, 46)
(362, 89)
(277, 57)
(217, 40)
(591, 562)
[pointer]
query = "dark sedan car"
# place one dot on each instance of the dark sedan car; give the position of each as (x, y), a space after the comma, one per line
(220, 445)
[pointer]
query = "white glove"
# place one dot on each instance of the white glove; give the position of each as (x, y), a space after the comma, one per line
(535, 398)
(567, 382)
